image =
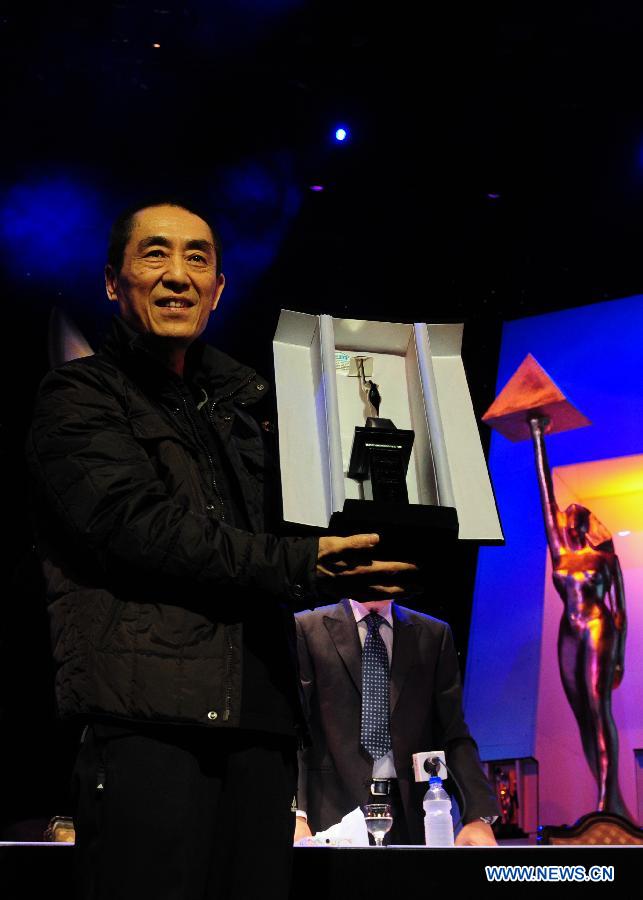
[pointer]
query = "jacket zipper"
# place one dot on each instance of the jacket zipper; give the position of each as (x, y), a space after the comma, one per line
(230, 395)
(240, 387)
(228, 684)
(229, 648)
(195, 430)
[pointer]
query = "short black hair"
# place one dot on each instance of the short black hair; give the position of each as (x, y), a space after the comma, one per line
(123, 226)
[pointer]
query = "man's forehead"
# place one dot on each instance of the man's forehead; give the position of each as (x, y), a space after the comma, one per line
(172, 222)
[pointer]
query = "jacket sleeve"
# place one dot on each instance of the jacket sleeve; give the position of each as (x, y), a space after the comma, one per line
(96, 479)
(460, 748)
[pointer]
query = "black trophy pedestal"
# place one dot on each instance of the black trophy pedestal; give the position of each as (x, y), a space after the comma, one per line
(379, 460)
(408, 531)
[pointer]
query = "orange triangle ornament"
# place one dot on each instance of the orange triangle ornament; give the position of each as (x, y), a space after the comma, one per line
(532, 392)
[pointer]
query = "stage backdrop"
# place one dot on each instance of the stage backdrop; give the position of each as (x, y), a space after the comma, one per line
(514, 700)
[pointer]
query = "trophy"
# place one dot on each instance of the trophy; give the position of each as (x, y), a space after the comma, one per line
(381, 452)
(377, 434)
(379, 463)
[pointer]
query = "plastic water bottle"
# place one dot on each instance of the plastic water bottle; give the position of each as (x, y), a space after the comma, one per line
(438, 824)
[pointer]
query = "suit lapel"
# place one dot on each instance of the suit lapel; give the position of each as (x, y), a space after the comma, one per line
(342, 629)
(405, 651)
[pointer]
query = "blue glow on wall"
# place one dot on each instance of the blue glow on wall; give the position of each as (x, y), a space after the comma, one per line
(257, 202)
(52, 227)
(594, 355)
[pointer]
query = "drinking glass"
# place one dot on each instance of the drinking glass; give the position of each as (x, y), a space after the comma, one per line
(378, 818)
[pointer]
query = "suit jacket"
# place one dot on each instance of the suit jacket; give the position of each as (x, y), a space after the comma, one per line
(425, 708)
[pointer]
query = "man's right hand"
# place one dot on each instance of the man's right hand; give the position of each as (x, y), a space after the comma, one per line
(340, 555)
(346, 566)
(302, 829)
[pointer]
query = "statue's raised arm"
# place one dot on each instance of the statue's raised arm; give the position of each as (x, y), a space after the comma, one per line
(551, 514)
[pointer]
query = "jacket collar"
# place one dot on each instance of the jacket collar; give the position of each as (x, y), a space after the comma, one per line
(205, 366)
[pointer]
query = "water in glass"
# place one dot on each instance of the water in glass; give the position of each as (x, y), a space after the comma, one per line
(378, 818)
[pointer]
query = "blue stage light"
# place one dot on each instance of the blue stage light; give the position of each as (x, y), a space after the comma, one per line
(341, 134)
(53, 226)
(256, 202)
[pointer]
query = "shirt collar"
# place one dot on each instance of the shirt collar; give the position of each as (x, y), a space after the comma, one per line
(360, 611)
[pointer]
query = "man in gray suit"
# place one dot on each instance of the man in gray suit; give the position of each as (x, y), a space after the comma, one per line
(337, 774)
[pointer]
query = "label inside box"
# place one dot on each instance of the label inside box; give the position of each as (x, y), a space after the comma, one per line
(342, 361)
(347, 364)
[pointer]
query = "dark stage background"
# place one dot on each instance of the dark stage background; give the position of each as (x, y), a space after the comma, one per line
(493, 169)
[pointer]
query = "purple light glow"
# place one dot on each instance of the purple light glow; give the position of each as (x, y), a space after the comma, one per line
(317, 188)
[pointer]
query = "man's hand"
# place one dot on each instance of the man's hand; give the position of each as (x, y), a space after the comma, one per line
(338, 555)
(476, 834)
(302, 829)
(346, 566)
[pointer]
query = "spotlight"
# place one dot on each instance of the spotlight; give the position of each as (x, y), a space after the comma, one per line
(624, 533)
(341, 134)
(317, 188)
(157, 46)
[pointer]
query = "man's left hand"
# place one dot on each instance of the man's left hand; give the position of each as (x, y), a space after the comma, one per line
(476, 834)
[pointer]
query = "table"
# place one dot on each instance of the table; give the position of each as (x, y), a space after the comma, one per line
(30, 870)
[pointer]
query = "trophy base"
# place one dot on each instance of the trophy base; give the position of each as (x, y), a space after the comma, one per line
(408, 531)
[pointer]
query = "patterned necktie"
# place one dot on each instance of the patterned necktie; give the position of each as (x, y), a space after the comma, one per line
(375, 735)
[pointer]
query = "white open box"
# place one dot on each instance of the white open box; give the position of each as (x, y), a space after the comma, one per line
(419, 372)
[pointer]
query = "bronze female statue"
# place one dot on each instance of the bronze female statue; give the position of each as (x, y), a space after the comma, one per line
(591, 638)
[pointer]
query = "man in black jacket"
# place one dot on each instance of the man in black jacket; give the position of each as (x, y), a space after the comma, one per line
(170, 597)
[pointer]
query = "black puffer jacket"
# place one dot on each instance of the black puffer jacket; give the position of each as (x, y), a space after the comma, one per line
(148, 584)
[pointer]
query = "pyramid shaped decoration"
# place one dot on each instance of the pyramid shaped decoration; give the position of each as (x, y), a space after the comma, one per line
(531, 392)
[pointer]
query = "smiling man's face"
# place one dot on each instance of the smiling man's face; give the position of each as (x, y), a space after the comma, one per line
(168, 283)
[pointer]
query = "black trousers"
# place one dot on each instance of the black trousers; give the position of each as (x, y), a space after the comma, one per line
(170, 814)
